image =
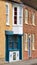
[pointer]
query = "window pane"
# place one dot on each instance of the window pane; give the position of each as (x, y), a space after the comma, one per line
(7, 13)
(10, 45)
(9, 42)
(6, 8)
(15, 45)
(15, 19)
(32, 38)
(33, 18)
(10, 38)
(26, 13)
(26, 16)
(25, 37)
(15, 9)
(6, 18)
(26, 20)
(15, 37)
(32, 41)
(15, 15)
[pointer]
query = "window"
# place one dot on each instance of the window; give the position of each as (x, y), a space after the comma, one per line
(15, 15)
(33, 18)
(26, 16)
(12, 42)
(7, 13)
(32, 41)
(29, 41)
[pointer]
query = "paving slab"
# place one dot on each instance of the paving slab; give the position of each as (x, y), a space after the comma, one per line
(27, 62)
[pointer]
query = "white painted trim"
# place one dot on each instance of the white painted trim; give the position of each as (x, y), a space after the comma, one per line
(18, 9)
(7, 23)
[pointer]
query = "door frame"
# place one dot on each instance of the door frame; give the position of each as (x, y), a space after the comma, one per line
(20, 49)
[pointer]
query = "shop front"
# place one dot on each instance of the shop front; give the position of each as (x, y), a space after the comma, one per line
(13, 47)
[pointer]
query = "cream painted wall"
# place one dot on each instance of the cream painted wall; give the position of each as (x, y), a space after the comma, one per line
(3, 26)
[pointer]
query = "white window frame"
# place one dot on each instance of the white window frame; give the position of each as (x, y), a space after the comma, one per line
(7, 22)
(26, 16)
(33, 18)
(18, 9)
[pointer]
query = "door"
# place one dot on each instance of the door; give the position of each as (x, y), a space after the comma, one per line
(13, 47)
(29, 46)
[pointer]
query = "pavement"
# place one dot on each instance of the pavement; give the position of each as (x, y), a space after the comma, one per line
(27, 62)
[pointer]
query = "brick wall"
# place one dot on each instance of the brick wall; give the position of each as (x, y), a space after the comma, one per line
(31, 29)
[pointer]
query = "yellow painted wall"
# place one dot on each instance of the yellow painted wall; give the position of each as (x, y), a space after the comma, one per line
(3, 26)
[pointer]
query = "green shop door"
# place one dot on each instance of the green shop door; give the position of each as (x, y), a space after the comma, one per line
(14, 47)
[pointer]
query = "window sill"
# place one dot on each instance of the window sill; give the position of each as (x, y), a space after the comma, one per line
(26, 50)
(7, 24)
(26, 23)
(32, 24)
(33, 49)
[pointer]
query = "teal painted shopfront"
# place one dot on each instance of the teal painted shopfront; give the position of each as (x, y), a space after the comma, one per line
(13, 46)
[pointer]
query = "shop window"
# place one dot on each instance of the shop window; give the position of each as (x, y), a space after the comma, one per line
(12, 42)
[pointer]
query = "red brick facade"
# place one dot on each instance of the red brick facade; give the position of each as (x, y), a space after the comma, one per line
(30, 29)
